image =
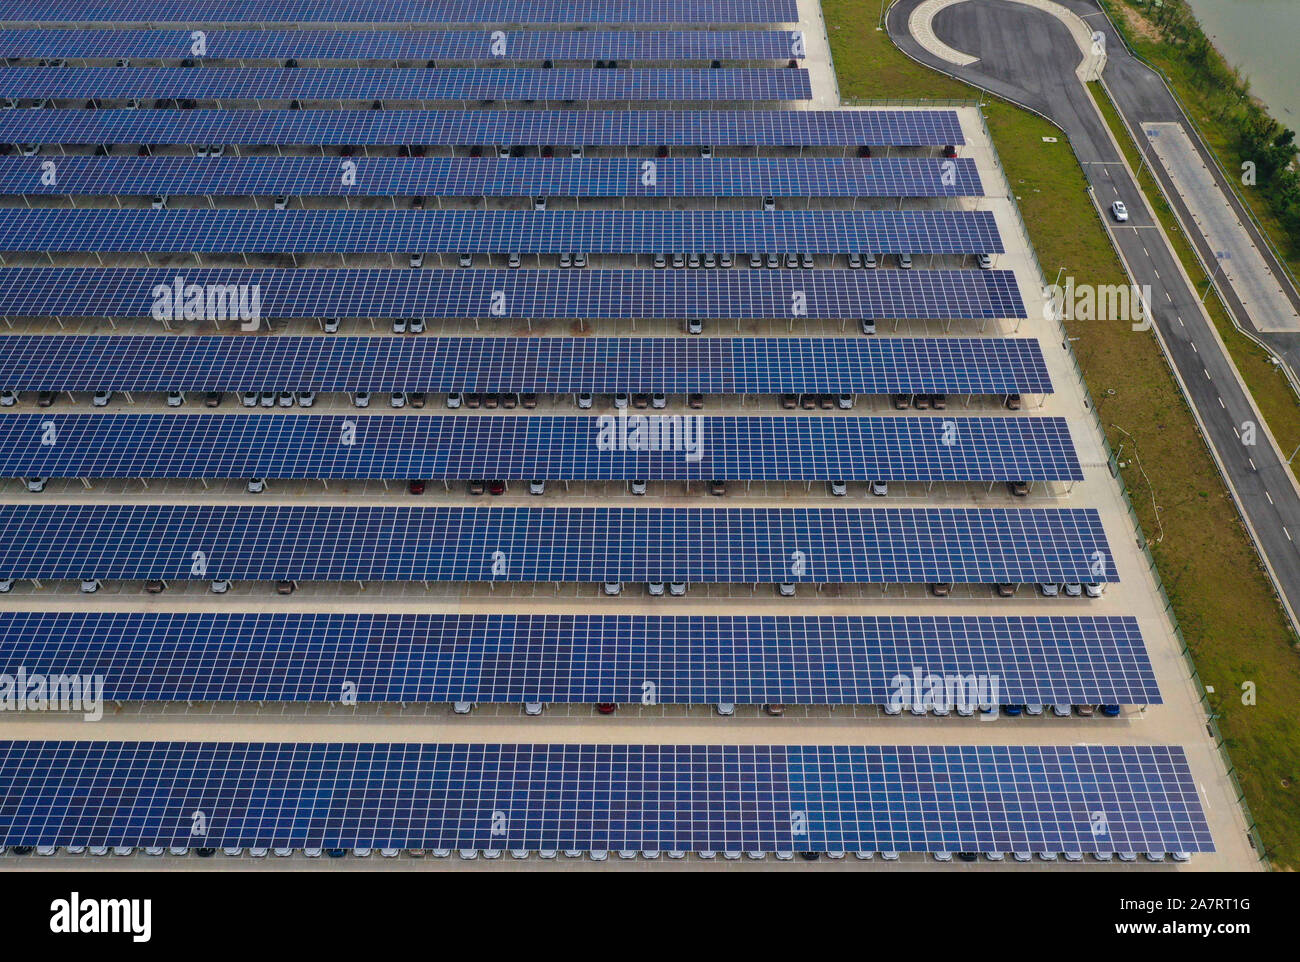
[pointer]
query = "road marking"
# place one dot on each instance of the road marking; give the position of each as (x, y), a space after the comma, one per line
(1180, 320)
(1222, 405)
(1171, 300)
(1286, 532)
(1193, 343)
(1207, 375)
(1269, 496)
(1252, 464)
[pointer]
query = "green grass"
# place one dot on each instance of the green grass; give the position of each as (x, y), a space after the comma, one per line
(1234, 625)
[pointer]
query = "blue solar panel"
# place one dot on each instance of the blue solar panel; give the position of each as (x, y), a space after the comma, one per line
(602, 797)
(399, 128)
(193, 12)
(580, 658)
(649, 447)
(405, 85)
(471, 177)
(107, 230)
(422, 45)
(543, 365)
(699, 545)
(212, 294)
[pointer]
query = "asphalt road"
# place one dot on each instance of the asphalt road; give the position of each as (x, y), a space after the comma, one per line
(1030, 57)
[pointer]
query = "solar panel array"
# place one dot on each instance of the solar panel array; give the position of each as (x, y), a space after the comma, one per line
(436, 45)
(602, 797)
(198, 12)
(107, 230)
(512, 544)
(574, 797)
(495, 658)
(400, 128)
(470, 177)
(405, 84)
(638, 446)
(543, 365)
(212, 294)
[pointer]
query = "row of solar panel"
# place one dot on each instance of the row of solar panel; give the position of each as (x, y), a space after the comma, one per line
(404, 85)
(413, 45)
(636, 446)
(591, 545)
(465, 177)
(542, 365)
(251, 295)
(106, 230)
(401, 128)
(893, 661)
(603, 797)
(431, 12)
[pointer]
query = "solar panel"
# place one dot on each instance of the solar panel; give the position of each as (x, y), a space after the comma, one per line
(406, 85)
(201, 12)
(425, 45)
(108, 230)
(470, 177)
(398, 128)
(493, 658)
(624, 447)
(220, 294)
(544, 365)
(699, 545)
(602, 797)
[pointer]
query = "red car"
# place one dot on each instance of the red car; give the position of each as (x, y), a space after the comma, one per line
(606, 707)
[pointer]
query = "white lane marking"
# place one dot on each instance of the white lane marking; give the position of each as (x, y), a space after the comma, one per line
(1286, 532)
(1222, 405)
(1252, 464)
(1269, 496)
(1193, 343)
(1207, 375)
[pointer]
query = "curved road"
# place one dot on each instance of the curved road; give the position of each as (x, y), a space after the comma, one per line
(1029, 56)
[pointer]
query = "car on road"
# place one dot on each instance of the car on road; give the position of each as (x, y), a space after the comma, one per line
(1119, 211)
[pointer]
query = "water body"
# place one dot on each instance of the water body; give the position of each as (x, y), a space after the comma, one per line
(1262, 38)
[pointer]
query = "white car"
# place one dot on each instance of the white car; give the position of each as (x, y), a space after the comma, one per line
(101, 399)
(256, 485)
(1119, 211)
